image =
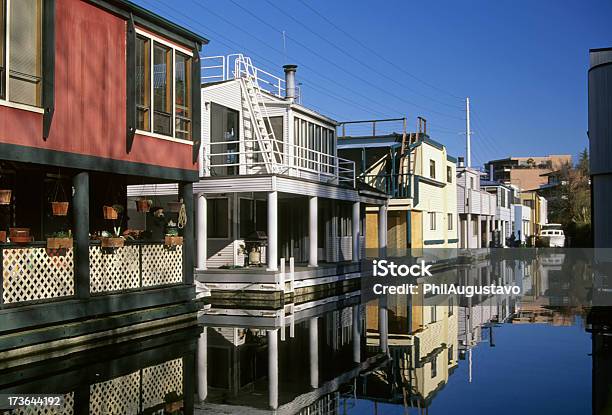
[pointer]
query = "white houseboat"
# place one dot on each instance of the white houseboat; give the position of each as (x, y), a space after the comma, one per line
(277, 209)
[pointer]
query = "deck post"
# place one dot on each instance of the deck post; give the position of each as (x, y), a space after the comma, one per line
(80, 203)
(273, 368)
(313, 238)
(479, 227)
(356, 230)
(203, 365)
(382, 231)
(313, 342)
(186, 193)
(272, 247)
(201, 232)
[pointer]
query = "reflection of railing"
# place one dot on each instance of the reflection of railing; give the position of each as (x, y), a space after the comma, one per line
(294, 160)
(30, 274)
(394, 185)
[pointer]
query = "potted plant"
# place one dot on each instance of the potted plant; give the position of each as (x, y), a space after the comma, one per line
(143, 205)
(5, 196)
(172, 238)
(58, 243)
(173, 402)
(59, 208)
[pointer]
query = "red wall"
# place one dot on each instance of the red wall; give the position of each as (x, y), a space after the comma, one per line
(90, 95)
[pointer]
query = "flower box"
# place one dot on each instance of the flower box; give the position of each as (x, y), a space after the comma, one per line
(59, 243)
(59, 208)
(112, 242)
(20, 235)
(173, 240)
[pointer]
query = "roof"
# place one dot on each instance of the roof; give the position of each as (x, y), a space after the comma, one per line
(366, 142)
(140, 13)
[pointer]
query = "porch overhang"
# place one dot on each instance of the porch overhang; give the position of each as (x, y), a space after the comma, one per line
(264, 183)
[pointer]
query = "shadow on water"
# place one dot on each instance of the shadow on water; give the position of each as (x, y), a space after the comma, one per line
(346, 351)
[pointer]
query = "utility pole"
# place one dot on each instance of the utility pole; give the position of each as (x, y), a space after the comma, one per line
(468, 156)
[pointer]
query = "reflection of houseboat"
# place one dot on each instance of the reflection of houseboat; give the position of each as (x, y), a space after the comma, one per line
(551, 235)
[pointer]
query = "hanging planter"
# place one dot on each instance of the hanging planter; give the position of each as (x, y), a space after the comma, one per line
(60, 208)
(110, 212)
(143, 205)
(5, 196)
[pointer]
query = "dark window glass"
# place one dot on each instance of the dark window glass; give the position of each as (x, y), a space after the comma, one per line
(224, 138)
(432, 169)
(217, 218)
(162, 87)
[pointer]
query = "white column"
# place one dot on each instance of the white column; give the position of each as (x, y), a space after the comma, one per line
(356, 335)
(382, 231)
(202, 363)
(313, 227)
(313, 337)
(356, 231)
(201, 232)
(272, 247)
(273, 368)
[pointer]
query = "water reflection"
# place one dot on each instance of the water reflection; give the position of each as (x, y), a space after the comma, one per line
(344, 352)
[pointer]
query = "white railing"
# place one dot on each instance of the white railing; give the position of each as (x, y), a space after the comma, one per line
(233, 66)
(295, 160)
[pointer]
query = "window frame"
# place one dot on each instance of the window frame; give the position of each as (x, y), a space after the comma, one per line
(174, 49)
(432, 168)
(449, 218)
(6, 27)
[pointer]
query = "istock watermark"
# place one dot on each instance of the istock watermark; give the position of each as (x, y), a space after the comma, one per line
(384, 268)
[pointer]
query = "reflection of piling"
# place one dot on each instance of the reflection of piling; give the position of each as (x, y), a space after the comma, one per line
(313, 335)
(383, 324)
(356, 334)
(273, 368)
(203, 365)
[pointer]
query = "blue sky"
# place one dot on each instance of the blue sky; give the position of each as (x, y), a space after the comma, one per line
(522, 63)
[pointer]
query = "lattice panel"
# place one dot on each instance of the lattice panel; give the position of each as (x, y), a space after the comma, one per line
(30, 274)
(161, 266)
(157, 381)
(119, 396)
(113, 272)
(66, 409)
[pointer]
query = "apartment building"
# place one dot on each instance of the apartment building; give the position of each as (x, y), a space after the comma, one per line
(505, 199)
(538, 206)
(526, 172)
(418, 175)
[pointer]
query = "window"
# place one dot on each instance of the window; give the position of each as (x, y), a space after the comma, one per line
(275, 125)
(451, 305)
(162, 89)
(434, 367)
(224, 137)
(143, 83)
(433, 316)
(314, 146)
(450, 221)
(182, 85)
(253, 217)
(164, 101)
(217, 220)
(449, 174)
(471, 183)
(432, 169)
(21, 36)
(432, 221)
(503, 197)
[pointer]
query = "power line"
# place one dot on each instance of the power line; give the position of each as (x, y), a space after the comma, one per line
(359, 61)
(375, 53)
(315, 53)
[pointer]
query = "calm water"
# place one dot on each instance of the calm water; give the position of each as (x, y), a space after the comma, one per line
(340, 353)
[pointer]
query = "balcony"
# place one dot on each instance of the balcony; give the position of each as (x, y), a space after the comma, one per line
(396, 186)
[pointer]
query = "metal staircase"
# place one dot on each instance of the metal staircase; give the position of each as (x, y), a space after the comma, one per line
(268, 145)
